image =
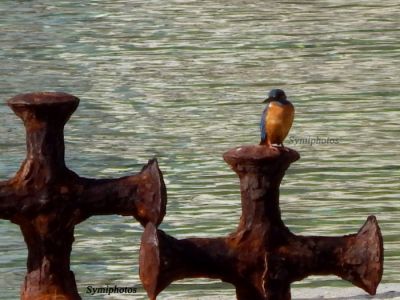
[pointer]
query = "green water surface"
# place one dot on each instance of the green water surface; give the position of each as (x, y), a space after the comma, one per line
(182, 81)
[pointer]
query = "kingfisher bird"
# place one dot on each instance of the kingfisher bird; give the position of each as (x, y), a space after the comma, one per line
(276, 119)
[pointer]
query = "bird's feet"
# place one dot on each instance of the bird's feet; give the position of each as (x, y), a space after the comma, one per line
(281, 146)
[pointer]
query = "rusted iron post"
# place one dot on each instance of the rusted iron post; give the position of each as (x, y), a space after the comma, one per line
(47, 200)
(262, 257)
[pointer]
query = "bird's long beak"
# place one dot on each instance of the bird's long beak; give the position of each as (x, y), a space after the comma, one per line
(266, 100)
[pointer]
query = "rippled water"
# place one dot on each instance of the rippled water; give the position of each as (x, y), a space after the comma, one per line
(183, 81)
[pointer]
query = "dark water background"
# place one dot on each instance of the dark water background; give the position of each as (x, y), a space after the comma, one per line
(183, 81)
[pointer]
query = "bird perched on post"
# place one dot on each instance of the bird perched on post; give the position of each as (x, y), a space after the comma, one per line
(277, 118)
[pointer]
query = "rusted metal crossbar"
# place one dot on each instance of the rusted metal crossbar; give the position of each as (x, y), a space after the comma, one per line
(262, 257)
(47, 200)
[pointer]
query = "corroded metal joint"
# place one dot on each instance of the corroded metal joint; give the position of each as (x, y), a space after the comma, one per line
(47, 200)
(262, 257)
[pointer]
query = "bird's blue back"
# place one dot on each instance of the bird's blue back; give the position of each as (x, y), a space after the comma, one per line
(263, 125)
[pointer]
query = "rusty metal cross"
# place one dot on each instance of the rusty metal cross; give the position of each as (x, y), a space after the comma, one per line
(262, 257)
(47, 200)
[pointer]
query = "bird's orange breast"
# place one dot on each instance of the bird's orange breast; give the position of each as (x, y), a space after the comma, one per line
(279, 120)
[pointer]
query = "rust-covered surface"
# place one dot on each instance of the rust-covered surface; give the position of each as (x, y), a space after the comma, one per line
(47, 200)
(262, 257)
